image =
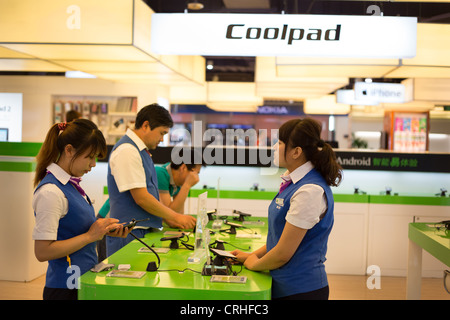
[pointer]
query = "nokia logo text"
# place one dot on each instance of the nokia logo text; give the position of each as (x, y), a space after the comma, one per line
(241, 31)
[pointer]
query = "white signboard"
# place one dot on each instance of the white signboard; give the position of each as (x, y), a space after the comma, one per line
(11, 117)
(381, 92)
(348, 97)
(284, 35)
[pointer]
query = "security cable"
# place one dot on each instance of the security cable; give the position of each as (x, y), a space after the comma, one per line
(157, 256)
(234, 246)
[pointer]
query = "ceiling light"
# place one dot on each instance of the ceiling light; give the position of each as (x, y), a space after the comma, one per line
(195, 5)
(78, 74)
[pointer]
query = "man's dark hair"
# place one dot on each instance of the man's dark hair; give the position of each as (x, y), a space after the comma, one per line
(156, 115)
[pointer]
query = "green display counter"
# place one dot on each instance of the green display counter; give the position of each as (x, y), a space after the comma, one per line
(235, 194)
(423, 236)
(410, 200)
(176, 279)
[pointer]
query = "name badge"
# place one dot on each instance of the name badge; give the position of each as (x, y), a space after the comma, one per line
(279, 201)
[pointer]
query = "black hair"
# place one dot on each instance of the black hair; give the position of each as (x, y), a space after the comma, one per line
(305, 133)
(82, 134)
(156, 115)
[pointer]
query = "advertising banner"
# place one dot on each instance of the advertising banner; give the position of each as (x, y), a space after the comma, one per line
(284, 35)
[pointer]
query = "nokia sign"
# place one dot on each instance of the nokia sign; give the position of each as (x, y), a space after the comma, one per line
(283, 35)
(240, 31)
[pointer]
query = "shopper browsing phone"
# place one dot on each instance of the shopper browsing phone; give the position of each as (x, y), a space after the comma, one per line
(176, 178)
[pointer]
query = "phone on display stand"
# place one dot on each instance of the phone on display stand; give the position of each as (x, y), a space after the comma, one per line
(131, 224)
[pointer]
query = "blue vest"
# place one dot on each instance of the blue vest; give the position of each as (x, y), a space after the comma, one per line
(78, 220)
(305, 271)
(123, 206)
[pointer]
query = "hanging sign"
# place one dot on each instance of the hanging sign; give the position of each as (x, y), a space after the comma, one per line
(379, 92)
(284, 34)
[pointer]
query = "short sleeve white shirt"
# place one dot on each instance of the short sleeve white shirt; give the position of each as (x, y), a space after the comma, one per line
(50, 205)
(308, 203)
(126, 164)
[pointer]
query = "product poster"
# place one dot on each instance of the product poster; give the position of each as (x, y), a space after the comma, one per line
(10, 117)
(410, 132)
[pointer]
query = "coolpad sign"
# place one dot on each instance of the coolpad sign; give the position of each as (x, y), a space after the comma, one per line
(283, 35)
(237, 31)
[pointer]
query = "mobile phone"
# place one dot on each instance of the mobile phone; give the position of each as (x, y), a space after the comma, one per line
(223, 253)
(125, 225)
(172, 237)
(130, 224)
(236, 225)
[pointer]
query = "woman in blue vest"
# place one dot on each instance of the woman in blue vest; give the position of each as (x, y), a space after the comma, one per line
(66, 229)
(300, 216)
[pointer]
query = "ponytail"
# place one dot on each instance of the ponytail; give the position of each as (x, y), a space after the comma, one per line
(305, 133)
(324, 160)
(82, 134)
(47, 154)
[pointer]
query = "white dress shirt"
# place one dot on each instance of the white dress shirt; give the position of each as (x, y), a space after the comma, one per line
(126, 164)
(308, 203)
(50, 204)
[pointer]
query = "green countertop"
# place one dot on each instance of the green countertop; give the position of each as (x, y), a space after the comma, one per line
(435, 242)
(235, 194)
(174, 285)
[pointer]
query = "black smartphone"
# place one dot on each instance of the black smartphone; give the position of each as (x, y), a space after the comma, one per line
(172, 237)
(130, 224)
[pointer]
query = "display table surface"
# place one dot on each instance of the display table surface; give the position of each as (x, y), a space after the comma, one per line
(164, 284)
(436, 242)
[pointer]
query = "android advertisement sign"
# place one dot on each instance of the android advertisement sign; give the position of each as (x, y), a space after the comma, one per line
(393, 161)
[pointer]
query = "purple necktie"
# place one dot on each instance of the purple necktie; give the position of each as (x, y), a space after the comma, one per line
(76, 183)
(284, 185)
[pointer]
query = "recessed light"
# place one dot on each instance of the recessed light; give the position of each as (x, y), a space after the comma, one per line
(195, 5)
